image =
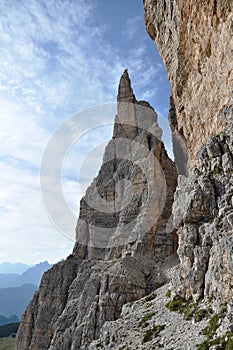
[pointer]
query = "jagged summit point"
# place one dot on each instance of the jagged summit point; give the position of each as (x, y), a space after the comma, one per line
(125, 91)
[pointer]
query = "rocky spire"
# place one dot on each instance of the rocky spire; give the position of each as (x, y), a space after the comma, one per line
(125, 91)
(121, 240)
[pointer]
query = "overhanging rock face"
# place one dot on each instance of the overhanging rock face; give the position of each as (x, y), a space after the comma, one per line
(124, 237)
(194, 39)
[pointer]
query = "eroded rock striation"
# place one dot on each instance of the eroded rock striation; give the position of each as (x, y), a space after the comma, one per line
(123, 242)
(195, 41)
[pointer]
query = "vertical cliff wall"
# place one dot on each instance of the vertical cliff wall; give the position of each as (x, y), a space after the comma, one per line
(194, 39)
(123, 237)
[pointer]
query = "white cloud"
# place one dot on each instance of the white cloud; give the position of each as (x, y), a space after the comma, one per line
(25, 228)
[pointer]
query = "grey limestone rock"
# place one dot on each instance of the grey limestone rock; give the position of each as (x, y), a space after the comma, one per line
(202, 212)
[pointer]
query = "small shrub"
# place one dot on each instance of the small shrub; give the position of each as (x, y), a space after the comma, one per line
(223, 343)
(176, 303)
(229, 343)
(203, 346)
(169, 293)
(200, 314)
(152, 333)
(150, 297)
(223, 310)
(149, 305)
(213, 325)
(188, 313)
(146, 318)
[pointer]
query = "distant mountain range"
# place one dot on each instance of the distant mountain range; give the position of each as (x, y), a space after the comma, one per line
(13, 300)
(6, 320)
(16, 290)
(32, 276)
(18, 268)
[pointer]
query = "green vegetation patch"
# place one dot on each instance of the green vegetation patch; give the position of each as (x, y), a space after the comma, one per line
(188, 309)
(213, 325)
(149, 305)
(7, 343)
(200, 314)
(222, 343)
(150, 297)
(177, 303)
(152, 333)
(8, 329)
(146, 318)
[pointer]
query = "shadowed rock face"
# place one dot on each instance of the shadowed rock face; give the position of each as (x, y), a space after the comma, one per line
(123, 235)
(194, 39)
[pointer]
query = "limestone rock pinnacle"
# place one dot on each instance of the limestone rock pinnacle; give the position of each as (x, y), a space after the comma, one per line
(125, 91)
(122, 241)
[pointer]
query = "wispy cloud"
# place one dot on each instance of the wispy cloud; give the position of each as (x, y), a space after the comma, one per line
(132, 27)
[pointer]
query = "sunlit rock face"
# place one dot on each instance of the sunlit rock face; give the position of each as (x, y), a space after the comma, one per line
(124, 237)
(194, 39)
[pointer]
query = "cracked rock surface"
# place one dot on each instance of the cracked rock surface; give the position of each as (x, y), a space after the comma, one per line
(203, 211)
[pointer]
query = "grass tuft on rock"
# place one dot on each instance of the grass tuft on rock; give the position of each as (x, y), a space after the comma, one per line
(176, 304)
(152, 333)
(150, 297)
(189, 309)
(221, 343)
(146, 318)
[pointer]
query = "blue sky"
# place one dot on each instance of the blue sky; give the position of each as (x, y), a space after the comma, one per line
(58, 58)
